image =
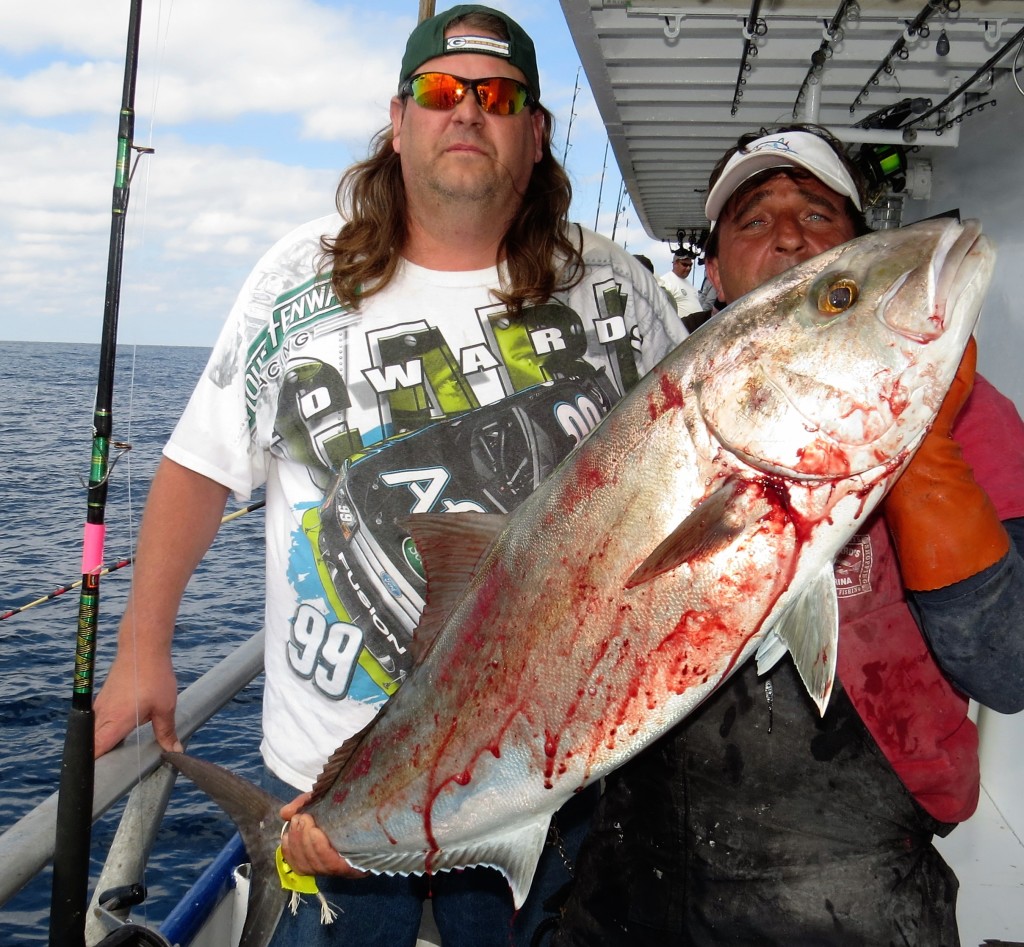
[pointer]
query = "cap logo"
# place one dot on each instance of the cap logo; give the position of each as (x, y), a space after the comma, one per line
(487, 45)
(779, 144)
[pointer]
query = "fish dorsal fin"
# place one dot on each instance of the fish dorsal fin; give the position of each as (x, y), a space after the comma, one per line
(713, 524)
(514, 853)
(809, 630)
(451, 547)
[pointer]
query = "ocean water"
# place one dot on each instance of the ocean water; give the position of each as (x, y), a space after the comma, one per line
(46, 403)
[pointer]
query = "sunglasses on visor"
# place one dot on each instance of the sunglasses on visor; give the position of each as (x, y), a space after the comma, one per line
(497, 95)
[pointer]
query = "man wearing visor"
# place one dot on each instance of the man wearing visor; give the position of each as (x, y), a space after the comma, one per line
(437, 346)
(755, 821)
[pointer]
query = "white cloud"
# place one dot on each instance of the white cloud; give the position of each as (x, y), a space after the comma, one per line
(199, 213)
(68, 25)
(253, 106)
(209, 62)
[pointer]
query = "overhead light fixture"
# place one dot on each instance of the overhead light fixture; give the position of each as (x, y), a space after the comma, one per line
(942, 45)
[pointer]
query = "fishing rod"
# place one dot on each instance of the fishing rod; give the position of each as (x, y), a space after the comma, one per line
(61, 589)
(600, 189)
(572, 115)
(113, 567)
(69, 892)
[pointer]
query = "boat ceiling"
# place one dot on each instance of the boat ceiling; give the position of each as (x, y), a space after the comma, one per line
(677, 82)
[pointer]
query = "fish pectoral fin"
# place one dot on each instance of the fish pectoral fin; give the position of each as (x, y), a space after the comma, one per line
(809, 630)
(451, 547)
(770, 652)
(712, 525)
(514, 853)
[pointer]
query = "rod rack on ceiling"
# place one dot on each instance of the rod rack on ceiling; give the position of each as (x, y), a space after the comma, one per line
(752, 26)
(1018, 37)
(916, 27)
(824, 51)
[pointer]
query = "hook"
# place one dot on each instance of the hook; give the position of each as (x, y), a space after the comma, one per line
(993, 30)
(672, 30)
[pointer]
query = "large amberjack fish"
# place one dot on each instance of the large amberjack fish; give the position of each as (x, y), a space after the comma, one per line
(695, 526)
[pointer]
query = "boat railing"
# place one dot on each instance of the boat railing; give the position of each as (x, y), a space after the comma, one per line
(134, 767)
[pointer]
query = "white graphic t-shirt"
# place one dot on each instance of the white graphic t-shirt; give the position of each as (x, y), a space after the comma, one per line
(683, 292)
(428, 398)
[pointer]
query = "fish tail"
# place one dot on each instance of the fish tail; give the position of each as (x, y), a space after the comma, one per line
(256, 814)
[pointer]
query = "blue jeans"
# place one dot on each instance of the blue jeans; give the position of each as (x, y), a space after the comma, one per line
(472, 907)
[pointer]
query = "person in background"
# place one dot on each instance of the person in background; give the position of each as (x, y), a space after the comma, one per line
(677, 282)
(755, 821)
(645, 261)
(452, 282)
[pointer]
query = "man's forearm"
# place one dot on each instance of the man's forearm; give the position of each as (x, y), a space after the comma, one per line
(181, 519)
(973, 627)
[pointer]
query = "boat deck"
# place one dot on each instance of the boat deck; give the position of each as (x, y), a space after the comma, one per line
(988, 858)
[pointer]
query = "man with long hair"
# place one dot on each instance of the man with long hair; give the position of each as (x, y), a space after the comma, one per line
(756, 821)
(439, 345)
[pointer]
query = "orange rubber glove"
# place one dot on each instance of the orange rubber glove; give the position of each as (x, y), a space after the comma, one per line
(943, 524)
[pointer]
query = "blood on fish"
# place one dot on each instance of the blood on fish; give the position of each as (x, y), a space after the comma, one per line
(550, 752)
(898, 400)
(391, 839)
(590, 477)
(824, 459)
(671, 397)
(361, 763)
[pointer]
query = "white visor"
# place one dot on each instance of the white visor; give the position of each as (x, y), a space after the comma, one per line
(786, 150)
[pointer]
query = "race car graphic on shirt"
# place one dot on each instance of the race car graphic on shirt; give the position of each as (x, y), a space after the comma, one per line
(487, 460)
(402, 418)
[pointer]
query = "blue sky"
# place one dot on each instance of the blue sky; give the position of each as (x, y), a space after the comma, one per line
(254, 107)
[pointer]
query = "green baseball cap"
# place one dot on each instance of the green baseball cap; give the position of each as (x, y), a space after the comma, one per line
(428, 41)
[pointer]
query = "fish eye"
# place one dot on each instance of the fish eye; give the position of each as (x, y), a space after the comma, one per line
(837, 296)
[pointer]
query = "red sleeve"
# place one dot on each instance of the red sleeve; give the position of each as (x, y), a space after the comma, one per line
(991, 433)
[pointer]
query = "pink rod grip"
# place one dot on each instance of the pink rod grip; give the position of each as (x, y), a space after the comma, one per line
(92, 548)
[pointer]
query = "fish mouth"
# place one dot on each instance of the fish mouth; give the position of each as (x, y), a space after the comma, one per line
(956, 276)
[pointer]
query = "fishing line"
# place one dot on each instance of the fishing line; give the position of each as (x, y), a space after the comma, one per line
(1014, 69)
(132, 545)
(159, 51)
(159, 46)
(140, 215)
(163, 29)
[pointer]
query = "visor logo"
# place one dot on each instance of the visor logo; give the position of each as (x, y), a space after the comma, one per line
(779, 144)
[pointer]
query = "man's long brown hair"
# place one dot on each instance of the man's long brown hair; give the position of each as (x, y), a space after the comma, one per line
(541, 255)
